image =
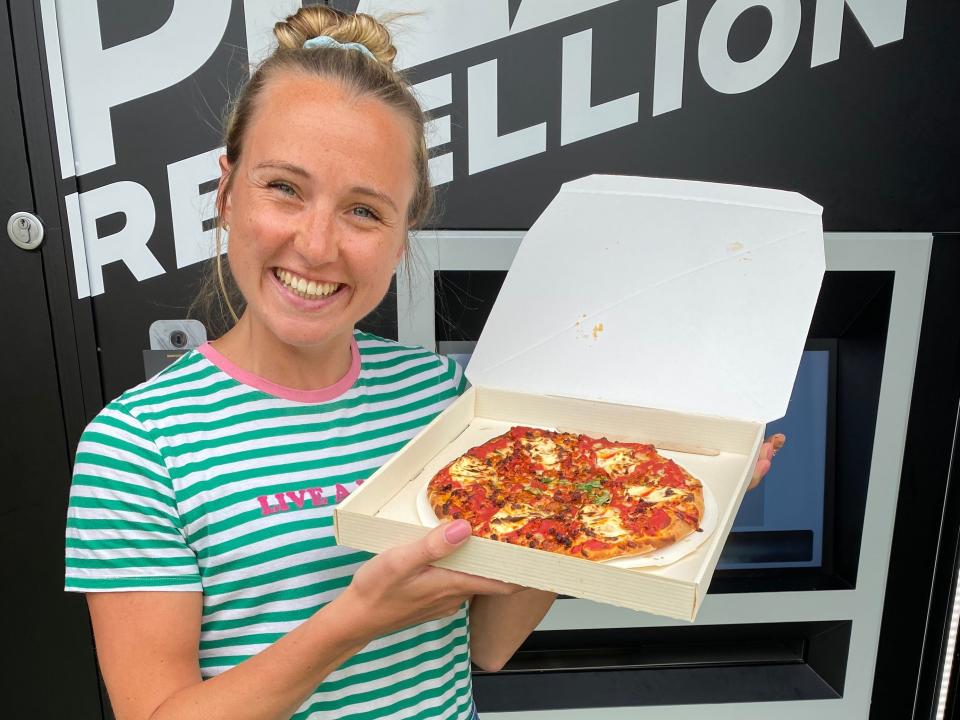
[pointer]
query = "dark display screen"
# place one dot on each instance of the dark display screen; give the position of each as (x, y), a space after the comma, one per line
(780, 523)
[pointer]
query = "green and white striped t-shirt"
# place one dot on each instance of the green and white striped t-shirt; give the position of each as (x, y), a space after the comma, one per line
(207, 478)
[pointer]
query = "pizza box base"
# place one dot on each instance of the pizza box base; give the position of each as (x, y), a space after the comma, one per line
(382, 512)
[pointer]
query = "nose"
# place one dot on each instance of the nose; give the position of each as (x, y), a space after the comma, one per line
(317, 240)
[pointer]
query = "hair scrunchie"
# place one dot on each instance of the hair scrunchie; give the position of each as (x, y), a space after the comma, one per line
(325, 41)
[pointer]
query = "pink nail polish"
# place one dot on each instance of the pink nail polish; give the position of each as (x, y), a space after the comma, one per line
(457, 531)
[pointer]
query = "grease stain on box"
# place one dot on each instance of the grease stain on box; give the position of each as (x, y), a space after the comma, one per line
(579, 332)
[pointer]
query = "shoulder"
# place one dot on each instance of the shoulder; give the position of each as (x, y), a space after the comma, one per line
(383, 358)
(130, 412)
(121, 459)
(186, 369)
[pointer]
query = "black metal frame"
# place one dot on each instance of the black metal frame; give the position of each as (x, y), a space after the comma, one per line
(670, 666)
(933, 665)
(924, 555)
(72, 320)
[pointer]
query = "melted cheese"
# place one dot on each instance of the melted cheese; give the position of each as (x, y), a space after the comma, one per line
(469, 468)
(616, 461)
(604, 521)
(653, 494)
(514, 516)
(661, 494)
(543, 451)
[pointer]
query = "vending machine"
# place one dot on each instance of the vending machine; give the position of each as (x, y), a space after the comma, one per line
(833, 598)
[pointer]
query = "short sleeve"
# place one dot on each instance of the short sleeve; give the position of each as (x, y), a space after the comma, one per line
(459, 379)
(123, 527)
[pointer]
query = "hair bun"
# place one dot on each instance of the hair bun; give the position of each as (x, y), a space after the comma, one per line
(316, 20)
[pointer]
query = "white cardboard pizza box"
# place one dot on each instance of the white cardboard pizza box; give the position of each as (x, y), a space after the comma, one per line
(663, 311)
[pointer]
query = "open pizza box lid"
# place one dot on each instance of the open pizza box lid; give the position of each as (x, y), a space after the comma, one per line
(657, 311)
(678, 295)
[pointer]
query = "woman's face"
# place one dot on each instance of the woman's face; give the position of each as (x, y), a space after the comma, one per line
(317, 209)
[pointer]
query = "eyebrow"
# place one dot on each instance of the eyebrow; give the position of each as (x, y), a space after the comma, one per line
(280, 164)
(370, 192)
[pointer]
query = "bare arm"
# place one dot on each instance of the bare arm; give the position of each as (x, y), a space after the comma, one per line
(147, 642)
(147, 645)
(499, 625)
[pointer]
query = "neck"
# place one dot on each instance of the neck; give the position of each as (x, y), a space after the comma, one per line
(258, 351)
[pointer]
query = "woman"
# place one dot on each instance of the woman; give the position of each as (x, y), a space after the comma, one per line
(200, 513)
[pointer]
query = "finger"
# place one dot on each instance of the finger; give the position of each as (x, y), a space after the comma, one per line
(763, 466)
(468, 584)
(439, 542)
(766, 451)
(777, 441)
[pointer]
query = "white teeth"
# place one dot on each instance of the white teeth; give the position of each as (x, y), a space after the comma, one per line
(308, 289)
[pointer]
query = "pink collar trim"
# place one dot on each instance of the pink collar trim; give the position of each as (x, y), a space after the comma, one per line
(246, 377)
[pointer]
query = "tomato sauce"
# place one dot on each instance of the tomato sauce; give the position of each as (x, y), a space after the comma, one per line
(586, 546)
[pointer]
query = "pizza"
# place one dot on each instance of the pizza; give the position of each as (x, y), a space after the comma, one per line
(568, 493)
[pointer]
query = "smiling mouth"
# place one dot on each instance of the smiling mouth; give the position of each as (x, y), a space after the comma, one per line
(307, 289)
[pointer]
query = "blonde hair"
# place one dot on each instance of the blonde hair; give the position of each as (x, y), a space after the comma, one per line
(358, 74)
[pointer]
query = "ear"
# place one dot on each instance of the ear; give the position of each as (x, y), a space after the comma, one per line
(225, 170)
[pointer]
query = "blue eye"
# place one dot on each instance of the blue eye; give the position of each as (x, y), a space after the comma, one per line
(365, 212)
(283, 187)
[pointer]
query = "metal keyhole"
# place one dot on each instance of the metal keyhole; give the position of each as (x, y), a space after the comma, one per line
(26, 230)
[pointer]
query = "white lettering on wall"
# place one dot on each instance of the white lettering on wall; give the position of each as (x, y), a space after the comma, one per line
(487, 148)
(189, 208)
(259, 17)
(668, 68)
(438, 28)
(97, 80)
(129, 245)
(77, 246)
(432, 94)
(882, 21)
(726, 75)
(578, 119)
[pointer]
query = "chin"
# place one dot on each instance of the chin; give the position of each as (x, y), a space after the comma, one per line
(295, 329)
(306, 340)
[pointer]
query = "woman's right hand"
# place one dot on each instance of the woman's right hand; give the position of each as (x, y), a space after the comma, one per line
(399, 587)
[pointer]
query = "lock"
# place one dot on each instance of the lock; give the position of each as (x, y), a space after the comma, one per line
(26, 230)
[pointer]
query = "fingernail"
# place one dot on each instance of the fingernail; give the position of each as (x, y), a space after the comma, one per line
(457, 532)
(778, 440)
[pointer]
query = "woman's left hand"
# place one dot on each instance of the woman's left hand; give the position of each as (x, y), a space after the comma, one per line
(767, 451)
